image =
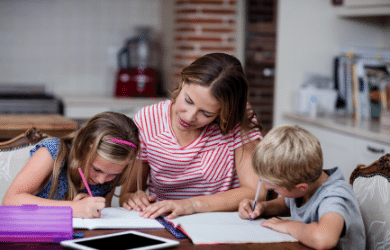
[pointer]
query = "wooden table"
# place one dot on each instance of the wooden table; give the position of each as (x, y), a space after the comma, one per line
(12, 125)
(184, 244)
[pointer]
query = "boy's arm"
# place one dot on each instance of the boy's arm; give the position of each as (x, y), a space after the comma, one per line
(324, 234)
(276, 207)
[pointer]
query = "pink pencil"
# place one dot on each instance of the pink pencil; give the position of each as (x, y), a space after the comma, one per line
(85, 182)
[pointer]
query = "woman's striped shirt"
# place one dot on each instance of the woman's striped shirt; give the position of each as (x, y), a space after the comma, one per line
(205, 166)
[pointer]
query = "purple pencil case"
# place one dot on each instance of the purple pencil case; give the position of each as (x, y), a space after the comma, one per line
(33, 223)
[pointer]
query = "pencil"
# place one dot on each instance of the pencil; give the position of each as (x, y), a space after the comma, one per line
(256, 197)
(85, 182)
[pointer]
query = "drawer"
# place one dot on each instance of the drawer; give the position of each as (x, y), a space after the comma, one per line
(367, 151)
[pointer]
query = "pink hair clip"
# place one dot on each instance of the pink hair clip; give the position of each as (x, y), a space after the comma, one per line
(123, 142)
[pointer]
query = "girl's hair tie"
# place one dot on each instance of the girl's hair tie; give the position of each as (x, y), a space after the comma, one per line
(123, 142)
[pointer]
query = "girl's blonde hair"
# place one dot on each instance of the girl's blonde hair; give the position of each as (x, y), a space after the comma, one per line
(225, 77)
(288, 155)
(78, 150)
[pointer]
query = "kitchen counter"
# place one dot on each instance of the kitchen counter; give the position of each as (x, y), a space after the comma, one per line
(81, 108)
(366, 129)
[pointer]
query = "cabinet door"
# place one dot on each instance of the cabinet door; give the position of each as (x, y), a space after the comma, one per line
(337, 149)
(368, 151)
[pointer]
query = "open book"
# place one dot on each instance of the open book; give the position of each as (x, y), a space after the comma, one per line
(226, 227)
(116, 218)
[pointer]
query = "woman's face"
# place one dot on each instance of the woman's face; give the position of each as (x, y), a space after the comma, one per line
(194, 108)
(103, 170)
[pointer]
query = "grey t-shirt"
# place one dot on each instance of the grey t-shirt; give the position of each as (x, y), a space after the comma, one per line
(334, 195)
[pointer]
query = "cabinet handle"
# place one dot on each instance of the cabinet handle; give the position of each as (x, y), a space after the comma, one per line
(375, 150)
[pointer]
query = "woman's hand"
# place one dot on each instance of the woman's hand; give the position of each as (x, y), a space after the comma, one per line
(138, 201)
(85, 206)
(245, 209)
(173, 208)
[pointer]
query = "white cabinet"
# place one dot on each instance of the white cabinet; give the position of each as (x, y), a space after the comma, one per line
(82, 107)
(342, 145)
(362, 8)
(367, 151)
(337, 148)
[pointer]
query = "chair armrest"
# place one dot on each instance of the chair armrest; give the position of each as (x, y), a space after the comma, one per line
(378, 167)
(31, 136)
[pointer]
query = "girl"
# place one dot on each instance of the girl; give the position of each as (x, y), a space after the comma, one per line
(196, 149)
(104, 148)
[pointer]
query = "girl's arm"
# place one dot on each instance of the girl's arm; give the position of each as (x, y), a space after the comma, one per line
(30, 180)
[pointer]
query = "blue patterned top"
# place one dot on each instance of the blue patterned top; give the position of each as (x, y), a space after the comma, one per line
(52, 145)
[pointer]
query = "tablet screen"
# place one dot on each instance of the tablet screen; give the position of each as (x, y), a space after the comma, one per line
(124, 240)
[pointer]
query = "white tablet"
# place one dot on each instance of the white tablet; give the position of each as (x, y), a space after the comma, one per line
(133, 240)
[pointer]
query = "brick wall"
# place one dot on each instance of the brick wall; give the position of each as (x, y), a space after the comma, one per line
(202, 27)
(260, 58)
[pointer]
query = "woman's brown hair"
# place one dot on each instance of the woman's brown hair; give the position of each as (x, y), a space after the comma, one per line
(225, 77)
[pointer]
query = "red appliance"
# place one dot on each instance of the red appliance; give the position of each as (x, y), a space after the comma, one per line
(138, 60)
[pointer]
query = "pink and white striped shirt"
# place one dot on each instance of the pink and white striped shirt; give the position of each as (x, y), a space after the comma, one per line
(205, 166)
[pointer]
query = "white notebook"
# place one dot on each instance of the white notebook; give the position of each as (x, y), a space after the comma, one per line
(226, 227)
(116, 218)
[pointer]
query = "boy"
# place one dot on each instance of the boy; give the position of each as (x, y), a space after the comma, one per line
(324, 210)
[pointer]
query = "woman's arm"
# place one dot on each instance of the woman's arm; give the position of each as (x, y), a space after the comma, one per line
(223, 201)
(30, 180)
(132, 194)
(229, 200)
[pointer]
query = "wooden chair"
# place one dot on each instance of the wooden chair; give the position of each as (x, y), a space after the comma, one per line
(371, 185)
(31, 136)
(14, 154)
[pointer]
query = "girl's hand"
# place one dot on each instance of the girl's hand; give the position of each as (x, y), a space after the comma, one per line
(172, 207)
(245, 209)
(138, 201)
(85, 206)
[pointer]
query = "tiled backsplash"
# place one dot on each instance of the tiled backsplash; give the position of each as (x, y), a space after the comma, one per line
(70, 45)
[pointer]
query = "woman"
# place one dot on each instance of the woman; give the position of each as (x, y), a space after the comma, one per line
(196, 148)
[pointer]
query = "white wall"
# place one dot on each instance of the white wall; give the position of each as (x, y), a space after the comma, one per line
(69, 45)
(309, 36)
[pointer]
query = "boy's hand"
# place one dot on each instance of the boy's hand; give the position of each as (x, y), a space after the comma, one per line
(87, 207)
(276, 224)
(245, 209)
(138, 201)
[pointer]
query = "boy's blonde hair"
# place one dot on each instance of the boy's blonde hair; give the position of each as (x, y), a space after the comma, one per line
(288, 155)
